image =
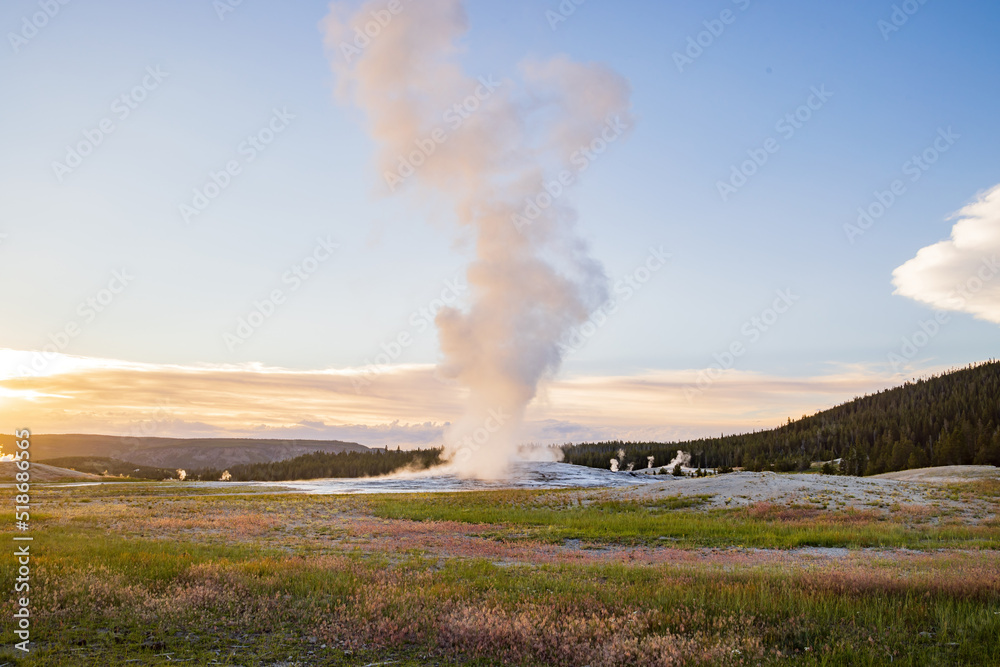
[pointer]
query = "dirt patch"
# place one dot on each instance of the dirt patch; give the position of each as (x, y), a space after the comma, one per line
(944, 474)
(882, 493)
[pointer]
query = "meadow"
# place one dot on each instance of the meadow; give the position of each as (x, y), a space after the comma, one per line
(160, 573)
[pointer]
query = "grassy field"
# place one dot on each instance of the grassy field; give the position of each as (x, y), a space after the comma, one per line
(555, 516)
(162, 573)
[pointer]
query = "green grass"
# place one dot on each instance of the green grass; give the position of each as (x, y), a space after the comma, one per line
(104, 596)
(555, 518)
(109, 627)
(787, 614)
(287, 598)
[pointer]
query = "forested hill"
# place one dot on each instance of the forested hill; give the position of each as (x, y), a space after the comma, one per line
(950, 419)
(187, 453)
(320, 465)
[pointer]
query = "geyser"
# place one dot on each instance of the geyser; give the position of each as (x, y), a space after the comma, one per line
(502, 152)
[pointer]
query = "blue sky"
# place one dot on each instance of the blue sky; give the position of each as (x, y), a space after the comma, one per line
(224, 79)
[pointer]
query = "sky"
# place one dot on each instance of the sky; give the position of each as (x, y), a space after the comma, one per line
(197, 238)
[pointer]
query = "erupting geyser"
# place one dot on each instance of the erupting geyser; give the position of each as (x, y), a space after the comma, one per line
(503, 153)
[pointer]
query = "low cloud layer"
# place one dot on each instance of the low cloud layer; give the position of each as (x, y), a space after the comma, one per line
(407, 406)
(962, 273)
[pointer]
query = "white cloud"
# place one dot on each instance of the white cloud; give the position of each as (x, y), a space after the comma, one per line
(960, 273)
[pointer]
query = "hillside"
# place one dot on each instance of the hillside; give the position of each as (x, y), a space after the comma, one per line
(44, 473)
(950, 419)
(177, 452)
(101, 465)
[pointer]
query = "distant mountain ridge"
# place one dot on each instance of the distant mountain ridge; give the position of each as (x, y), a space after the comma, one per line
(187, 453)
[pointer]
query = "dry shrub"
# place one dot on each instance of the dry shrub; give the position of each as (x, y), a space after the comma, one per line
(766, 511)
(909, 511)
(532, 633)
(771, 512)
(236, 527)
(387, 614)
(670, 650)
(965, 578)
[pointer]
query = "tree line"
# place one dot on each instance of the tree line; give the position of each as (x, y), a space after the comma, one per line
(319, 465)
(949, 419)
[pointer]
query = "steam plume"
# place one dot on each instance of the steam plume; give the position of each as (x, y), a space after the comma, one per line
(496, 150)
(682, 458)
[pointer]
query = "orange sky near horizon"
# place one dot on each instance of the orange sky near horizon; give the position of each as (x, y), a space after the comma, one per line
(405, 405)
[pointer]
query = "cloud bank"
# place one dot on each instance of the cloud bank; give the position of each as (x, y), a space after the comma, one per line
(407, 406)
(960, 274)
